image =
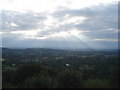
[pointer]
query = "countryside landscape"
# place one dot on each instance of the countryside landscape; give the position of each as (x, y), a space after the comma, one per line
(59, 44)
(52, 68)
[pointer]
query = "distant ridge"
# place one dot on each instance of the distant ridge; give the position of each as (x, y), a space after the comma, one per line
(54, 49)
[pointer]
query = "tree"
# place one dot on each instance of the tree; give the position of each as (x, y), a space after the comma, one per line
(25, 71)
(39, 82)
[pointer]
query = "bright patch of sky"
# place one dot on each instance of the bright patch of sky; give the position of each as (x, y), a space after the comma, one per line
(50, 5)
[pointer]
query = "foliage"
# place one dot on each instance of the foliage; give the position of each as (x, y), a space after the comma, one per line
(25, 71)
(39, 82)
(97, 83)
(70, 79)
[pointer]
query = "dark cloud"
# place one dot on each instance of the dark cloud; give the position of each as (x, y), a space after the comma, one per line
(23, 21)
(98, 17)
(105, 34)
(99, 20)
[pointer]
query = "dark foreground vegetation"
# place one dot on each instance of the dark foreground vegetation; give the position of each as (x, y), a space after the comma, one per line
(46, 68)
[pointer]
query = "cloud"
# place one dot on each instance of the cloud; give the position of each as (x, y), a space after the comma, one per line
(12, 20)
(101, 21)
(98, 17)
(93, 27)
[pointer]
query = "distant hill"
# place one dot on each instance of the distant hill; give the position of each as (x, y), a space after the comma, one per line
(47, 51)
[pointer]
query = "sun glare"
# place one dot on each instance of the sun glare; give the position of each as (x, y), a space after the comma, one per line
(50, 22)
(14, 25)
(75, 20)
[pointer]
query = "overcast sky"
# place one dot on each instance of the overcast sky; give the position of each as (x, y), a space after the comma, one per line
(64, 24)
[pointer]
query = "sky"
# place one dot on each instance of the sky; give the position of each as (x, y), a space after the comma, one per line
(62, 24)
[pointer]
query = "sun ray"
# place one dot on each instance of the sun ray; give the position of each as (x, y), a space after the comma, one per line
(84, 39)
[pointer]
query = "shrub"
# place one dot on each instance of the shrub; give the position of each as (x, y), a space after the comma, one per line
(96, 83)
(39, 82)
(70, 79)
(25, 71)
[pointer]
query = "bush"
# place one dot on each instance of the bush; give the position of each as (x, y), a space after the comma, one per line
(39, 82)
(97, 83)
(70, 79)
(25, 71)
(7, 77)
